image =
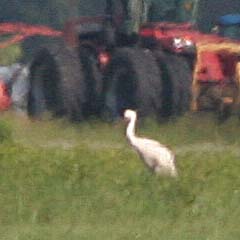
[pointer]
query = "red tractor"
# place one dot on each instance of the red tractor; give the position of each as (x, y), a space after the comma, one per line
(213, 60)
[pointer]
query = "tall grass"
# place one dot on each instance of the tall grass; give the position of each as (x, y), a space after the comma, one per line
(82, 181)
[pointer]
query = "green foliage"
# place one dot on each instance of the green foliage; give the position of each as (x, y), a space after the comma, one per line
(10, 54)
(65, 181)
(5, 132)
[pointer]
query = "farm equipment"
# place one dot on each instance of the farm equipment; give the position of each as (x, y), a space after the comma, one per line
(98, 69)
(165, 69)
(73, 76)
(197, 71)
(213, 61)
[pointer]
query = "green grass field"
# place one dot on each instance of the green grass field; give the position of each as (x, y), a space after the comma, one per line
(63, 181)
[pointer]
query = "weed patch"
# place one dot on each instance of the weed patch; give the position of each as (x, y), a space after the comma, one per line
(83, 181)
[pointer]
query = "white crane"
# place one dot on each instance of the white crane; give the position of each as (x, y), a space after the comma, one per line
(156, 156)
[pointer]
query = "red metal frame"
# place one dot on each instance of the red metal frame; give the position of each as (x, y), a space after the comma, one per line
(17, 32)
(214, 66)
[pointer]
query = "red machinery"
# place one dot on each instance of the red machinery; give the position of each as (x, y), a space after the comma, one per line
(20, 31)
(216, 62)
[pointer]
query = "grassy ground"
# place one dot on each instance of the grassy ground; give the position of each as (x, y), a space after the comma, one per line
(64, 181)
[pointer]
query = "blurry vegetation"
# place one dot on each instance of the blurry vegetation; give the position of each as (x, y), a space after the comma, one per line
(62, 181)
(5, 132)
(208, 11)
(10, 54)
(54, 13)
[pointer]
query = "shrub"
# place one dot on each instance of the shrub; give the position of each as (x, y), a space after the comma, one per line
(10, 54)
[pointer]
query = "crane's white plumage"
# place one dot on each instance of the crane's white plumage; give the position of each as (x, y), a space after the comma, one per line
(156, 156)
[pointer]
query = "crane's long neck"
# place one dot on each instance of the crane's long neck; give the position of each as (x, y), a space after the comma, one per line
(130, 132)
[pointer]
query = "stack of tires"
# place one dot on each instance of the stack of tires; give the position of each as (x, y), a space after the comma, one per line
(70, 83)
(62, 83)
(176, 83)
(154, 82)
(133, 80)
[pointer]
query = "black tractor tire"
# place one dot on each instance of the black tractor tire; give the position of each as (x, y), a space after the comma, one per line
(176, 83)
(93, 81)
(56, 83)
(132, 82)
